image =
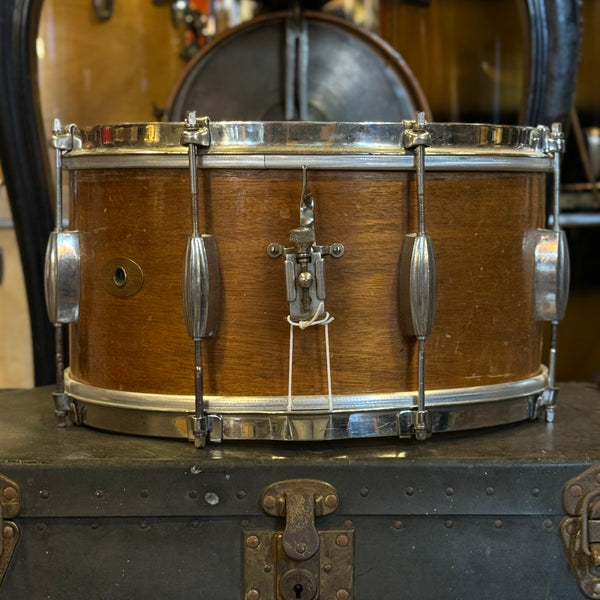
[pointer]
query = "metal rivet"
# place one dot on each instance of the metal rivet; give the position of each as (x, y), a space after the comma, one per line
(8, 531)
(337, 250)
(195, 469)
(398, 524)
(548, 524)
(575, 491)
(144, 525)
(449, 491)
(241, 494)
(536, 491)
(342, 594)
(245, 523)
(597, 477)
(327, 567)
(571, 528)
(252, 541)
(449, 524)
(211, 498)
(269, 502)
(193, 494)
(41, 526)
(195, 523)
(44, 494)
(489, 491)
(364, 491)
(409, 491)
(268, 568)
(144, 493)
(99, 493)
(300, 548)
(331, 500)
(253, 595)
(94, 525)
(498, 523)
(10, 493)
(348, 524)
(274, 250)
(342, 540)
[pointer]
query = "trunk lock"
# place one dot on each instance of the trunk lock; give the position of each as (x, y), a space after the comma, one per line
(298, 561)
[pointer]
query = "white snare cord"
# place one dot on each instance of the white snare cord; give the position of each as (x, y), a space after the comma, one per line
(325, 320)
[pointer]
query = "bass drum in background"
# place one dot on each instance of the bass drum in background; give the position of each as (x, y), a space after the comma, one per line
(351, 75)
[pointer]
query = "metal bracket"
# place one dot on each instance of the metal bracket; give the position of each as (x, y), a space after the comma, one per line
(304, 264)
(210, 425)
(10, 505)
(580, 532)
(298, 562)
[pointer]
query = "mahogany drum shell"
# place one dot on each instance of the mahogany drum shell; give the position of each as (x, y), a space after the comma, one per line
(484, 330)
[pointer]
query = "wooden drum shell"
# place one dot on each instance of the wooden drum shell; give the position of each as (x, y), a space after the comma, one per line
(484, 331)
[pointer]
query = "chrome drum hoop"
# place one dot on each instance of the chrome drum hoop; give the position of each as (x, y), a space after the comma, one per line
(265, 418)
(286, 145)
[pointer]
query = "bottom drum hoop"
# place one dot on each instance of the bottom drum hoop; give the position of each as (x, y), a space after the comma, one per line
(263, 418)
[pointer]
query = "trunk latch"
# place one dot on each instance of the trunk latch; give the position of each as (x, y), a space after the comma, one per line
(298, 561)
(10, 504)
(580, 532)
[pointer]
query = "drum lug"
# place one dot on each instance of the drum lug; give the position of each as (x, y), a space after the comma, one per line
(300, 561)
(201, 287)
(62, 275)
(10, 505)
(418, 277)
(580, 532)
(551, 275)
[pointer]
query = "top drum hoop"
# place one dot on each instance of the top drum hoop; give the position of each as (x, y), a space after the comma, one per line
(132, 362)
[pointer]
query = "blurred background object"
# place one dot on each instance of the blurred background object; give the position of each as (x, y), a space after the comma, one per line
(16, 359)
(468, 55)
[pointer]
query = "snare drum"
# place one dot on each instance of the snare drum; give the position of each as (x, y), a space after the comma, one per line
(352, 372)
